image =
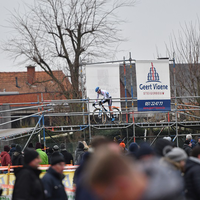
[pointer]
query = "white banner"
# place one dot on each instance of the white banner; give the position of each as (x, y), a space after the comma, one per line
(153, 85)
(104, 76)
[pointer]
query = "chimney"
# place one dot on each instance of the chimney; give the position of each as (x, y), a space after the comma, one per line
(30, 74)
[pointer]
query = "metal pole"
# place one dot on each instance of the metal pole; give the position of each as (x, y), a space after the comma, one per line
(175, 101)
(32, 133)
(24, 108)
(125, 89)
(24, 117)
(43, 127)
(127, 136)
(82, 91)
(89, 123)
(131, 78)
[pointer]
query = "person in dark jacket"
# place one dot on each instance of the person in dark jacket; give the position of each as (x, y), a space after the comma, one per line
(133, 149)
(79, 153)
(49, 154)
(198, 142)
(187, 146)
(192, 175)
(161, 147)
(30, 145)
(67, 156)
(52, 180)
(1, 191)
(28, 185)
(12, 150)
(17, 158)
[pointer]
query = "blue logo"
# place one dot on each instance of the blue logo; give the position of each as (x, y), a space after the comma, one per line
(153, 76)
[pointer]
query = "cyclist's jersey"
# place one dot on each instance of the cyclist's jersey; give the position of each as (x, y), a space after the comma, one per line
(103, 93)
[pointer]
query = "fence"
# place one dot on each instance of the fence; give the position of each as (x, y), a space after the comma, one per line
(181, 115)
(7, 180)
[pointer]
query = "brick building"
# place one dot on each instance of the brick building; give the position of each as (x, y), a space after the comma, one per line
(30, 86)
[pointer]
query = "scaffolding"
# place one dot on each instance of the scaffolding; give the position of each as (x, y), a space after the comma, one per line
(131, 117)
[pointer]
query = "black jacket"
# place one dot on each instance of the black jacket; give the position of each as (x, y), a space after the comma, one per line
(28, 185)
(79, 153)
(12, 150)
(17, 159)
(54, 188)
(187, 149)
(67, 156)
(192, 178)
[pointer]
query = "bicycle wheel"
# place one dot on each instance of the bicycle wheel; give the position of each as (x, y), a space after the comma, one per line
(117, 115)
(99, 116)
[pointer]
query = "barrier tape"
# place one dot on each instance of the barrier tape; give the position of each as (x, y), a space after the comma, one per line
(7, 186)
(12, 187)
(44, 167)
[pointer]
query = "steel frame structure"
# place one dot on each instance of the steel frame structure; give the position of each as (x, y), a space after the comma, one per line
(47, 107)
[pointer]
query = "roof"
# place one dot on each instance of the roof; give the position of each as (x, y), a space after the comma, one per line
(42, 83)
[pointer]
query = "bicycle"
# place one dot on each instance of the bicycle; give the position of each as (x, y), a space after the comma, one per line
(100, 115)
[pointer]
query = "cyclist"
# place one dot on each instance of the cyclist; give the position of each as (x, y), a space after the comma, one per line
(106, 98)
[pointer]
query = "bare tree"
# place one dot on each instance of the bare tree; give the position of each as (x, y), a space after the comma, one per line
(56, 33)
(186, 46)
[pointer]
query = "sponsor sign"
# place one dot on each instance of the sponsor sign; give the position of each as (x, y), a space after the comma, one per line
(67, 181)
(153, 85)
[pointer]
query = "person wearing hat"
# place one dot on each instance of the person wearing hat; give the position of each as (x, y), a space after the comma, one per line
(187, 146)
(145, 152)
(5, 157)
(56, 149)
(198, 142)
(133, 149)
(161, 146)
(12, 149)
(67, 156)
(17, 158)
(79, 153)
(176, 159)
(43, 155)
(123, 147)
(52, 180)
(28, 185)
(192, 175)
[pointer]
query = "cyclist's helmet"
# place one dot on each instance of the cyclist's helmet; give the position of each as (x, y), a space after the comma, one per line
(97, 89)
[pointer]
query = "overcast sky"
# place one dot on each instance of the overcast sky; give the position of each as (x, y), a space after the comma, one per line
(149, 26)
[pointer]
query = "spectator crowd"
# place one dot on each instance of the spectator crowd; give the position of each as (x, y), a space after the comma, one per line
(107, 170)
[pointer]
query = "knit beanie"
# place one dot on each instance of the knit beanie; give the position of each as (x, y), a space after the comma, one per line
(177, 154)
(122, 144)
(161, 146)
(13, 145)
(80, 145)
(55, 147)
(57, 158)
(62, 146)
(133, 147)
(144, 150)
(6, 148)
(29, 155)
(18, 148)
